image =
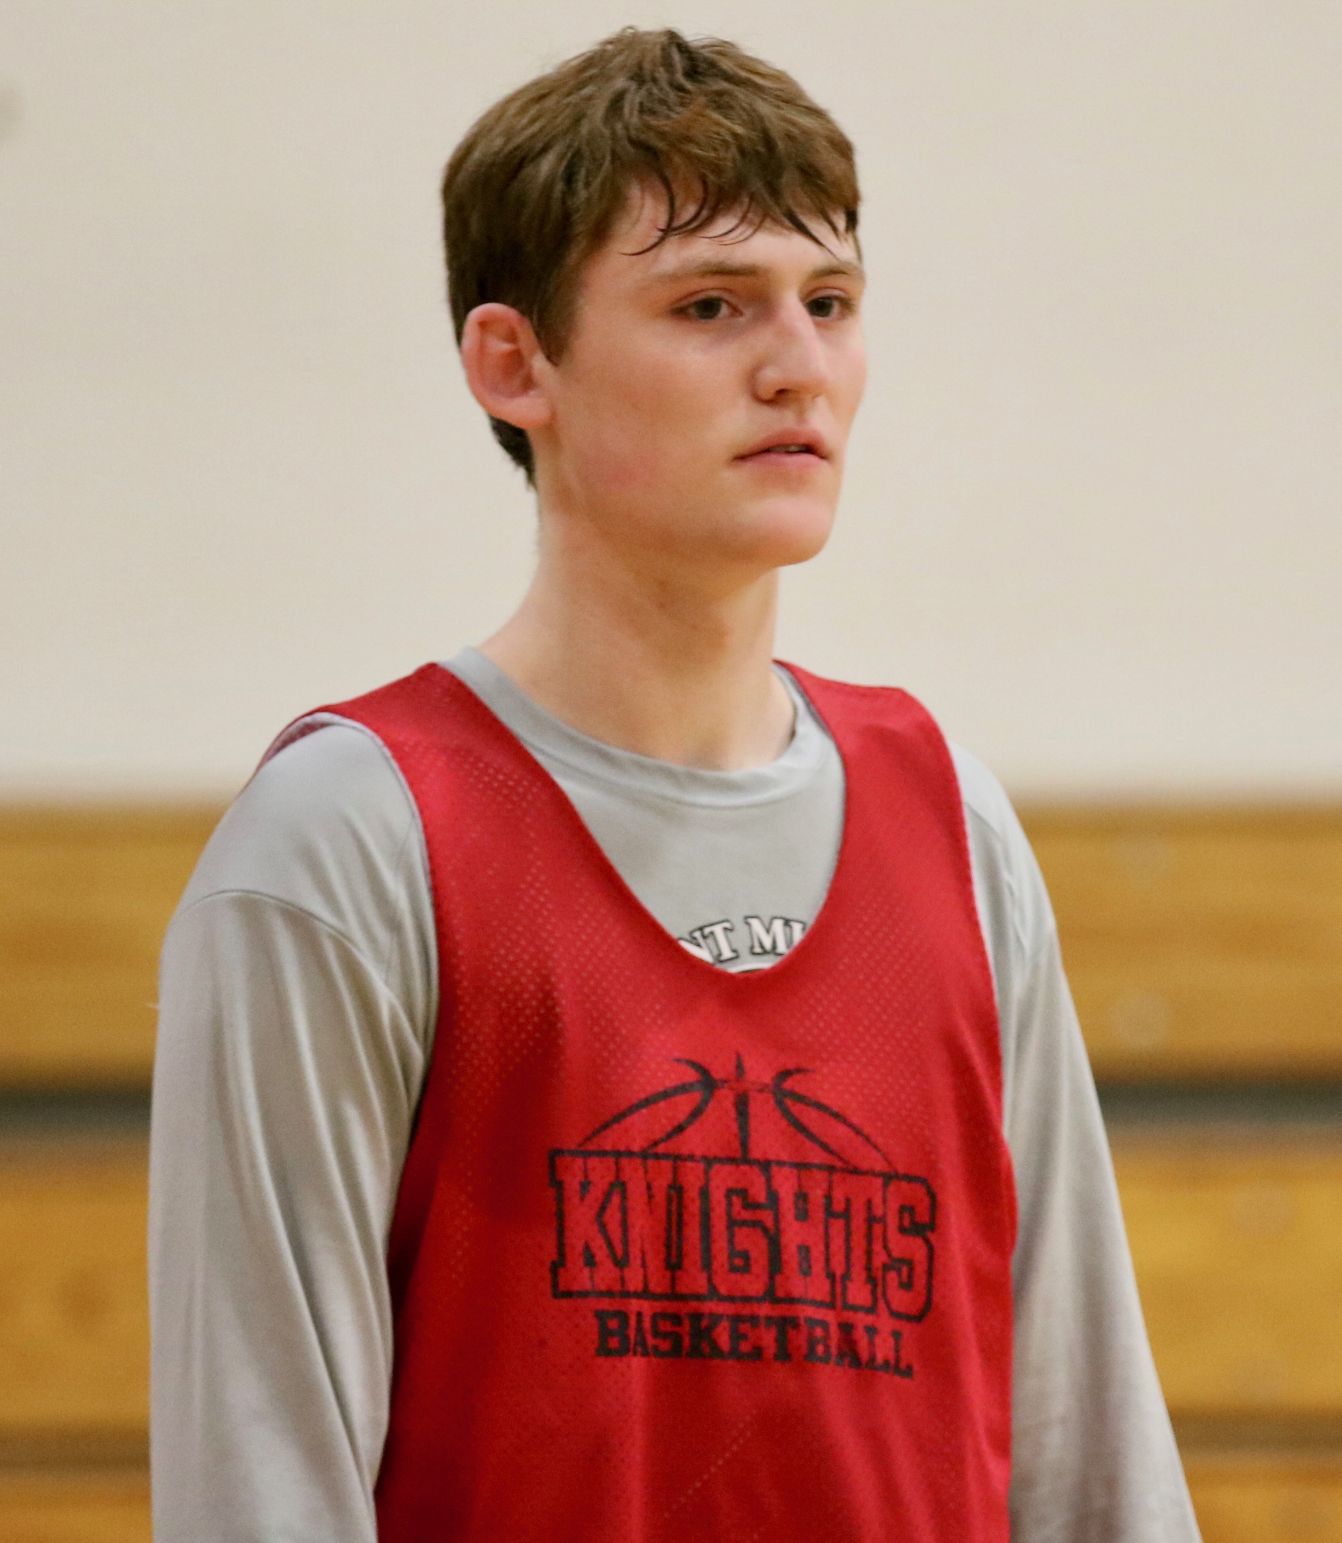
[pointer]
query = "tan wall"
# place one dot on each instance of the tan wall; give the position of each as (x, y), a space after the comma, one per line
(1092, 505)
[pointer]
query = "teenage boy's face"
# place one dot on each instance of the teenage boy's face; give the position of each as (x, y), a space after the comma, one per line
(681, 361)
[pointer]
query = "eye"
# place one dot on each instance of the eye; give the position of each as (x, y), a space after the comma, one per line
(844, 305)
(692, 310)
(705, 308)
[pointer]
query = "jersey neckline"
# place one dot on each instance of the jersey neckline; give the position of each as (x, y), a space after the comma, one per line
(603, 871)
(597, 761)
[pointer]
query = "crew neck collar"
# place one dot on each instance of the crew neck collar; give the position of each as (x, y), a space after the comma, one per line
(545, 734)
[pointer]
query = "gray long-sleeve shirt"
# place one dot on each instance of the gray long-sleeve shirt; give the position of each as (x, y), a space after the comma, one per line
(298, 1004)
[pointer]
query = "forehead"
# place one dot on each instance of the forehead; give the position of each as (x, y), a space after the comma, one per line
(622, 261)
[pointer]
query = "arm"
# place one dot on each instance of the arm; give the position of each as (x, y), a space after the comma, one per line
(291, 1046)
(1094, 1454)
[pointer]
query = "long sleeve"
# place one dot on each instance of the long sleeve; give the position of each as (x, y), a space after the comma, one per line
(1094, 1456)
(285, 1078)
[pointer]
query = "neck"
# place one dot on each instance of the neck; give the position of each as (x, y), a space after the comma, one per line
(662, 663)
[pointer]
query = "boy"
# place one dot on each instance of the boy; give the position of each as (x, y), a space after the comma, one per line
(612, 1085)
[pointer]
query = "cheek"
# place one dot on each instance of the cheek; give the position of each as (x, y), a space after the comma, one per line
(855, 378)
(637, 440)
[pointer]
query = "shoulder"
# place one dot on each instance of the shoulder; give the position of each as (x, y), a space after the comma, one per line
(1009, 886)
(1009, 889)
(325, 826)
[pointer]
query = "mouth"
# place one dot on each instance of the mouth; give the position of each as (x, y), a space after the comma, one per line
(781, 455)
(799, 442)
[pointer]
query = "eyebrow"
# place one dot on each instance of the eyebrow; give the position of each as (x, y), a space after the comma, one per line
(719, 268)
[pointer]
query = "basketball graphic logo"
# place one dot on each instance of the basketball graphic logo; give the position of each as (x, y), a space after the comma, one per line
(713, 1191)
(689, 1100)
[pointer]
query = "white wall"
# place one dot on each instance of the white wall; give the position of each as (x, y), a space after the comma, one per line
(1094, 505)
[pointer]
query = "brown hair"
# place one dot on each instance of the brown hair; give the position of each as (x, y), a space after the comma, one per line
(539, 180)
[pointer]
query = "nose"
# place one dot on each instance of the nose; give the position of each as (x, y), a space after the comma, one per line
(793, 358)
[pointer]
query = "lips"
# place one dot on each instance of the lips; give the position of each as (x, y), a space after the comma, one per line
(775, 457)
(808, 439)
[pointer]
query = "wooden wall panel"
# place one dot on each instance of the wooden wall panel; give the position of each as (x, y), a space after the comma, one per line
(1238, 1252)
(74, 1334)
(1237, 1245)
(85, 896)
(1266, 1498)
(1200, 943)
(1239, 1498)
(74, 1507)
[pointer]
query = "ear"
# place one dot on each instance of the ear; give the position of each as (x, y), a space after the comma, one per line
(504, 365)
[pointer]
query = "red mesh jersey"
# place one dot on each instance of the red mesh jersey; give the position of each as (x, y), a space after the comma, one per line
(680, 1254)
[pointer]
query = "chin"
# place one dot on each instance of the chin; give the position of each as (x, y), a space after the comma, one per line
(788, 533)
